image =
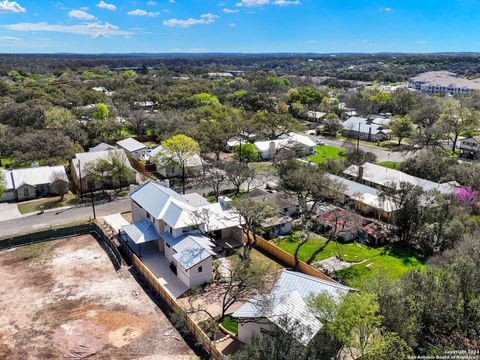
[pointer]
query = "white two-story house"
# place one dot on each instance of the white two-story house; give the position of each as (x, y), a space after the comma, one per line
(184, 229)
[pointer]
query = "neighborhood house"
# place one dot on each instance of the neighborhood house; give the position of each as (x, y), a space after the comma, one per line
(368, 129)
(286, 305)
(78, 168)
(183, 231)
(381, 178)
(30, 183)
(267, 149)
(167, 165)
(133, 148)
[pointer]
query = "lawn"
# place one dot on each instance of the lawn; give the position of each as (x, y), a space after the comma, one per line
(392, 261)
(47, 203)
(230, 324)
(325, 152)
(390, 164)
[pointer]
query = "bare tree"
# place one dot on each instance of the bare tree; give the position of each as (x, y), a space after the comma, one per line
(60, 183)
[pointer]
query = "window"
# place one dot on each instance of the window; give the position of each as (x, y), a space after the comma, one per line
(25, 191)
(200, 268)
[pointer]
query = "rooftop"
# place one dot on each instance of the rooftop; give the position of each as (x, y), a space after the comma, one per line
(131, 145)
(87, 157)
(33, 176)
(191, 248)
(446, 79)
(182, 210)
(384, 176)
(289, 299)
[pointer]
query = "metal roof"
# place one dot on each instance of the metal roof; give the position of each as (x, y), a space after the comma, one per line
(191, 248)
(289, 299)
(88, 157)
(131, 145)
(101, 147)
(362, 193)
(383, 176)
(287, 140)
(179, 210)
(33, 176)
(141, 233)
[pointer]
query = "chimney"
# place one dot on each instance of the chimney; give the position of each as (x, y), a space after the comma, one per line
(360, 172)
(225, 202)
(271, 149)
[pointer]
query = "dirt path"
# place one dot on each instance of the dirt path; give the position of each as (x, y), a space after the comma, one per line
(64, 300)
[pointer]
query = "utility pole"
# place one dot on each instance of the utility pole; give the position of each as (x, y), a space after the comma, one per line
(358, 139)
(93, 204)
(80, 177)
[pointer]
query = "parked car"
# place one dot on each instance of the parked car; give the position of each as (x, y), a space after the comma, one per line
(320, 142)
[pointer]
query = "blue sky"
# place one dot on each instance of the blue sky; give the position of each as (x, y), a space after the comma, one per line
(114, 26)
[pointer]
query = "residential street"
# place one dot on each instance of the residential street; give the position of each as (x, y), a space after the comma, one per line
(33, 222)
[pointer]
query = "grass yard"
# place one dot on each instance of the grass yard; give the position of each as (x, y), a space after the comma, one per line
(263, 166)
(230, 323)
(325, 152)
(390, 164)
(47, 203)
(392, 261)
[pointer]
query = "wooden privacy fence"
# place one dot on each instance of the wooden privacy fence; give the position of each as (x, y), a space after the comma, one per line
(287, 259)
(172, 303)
(159, 289)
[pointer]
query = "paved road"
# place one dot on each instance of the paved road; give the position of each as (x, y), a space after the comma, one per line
(28, 223)
(382, 155)
(33, 222)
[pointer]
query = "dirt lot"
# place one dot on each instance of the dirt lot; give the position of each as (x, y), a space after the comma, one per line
(63, 299)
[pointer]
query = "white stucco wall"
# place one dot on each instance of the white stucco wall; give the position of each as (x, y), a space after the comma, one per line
(199, 278)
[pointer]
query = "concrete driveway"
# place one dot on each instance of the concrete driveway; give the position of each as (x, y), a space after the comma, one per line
(9, 211)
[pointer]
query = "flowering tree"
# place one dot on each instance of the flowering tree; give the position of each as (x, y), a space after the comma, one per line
(466, 196)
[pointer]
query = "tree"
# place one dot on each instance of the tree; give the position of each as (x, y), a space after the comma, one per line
(214, 178)
(273, 125)
(58, 118)
(332, 125)
(120, 169)
(402, 127)
(98, 172)
(253, 214)
(456, 119)
(101, 112)
(239, 174)
(310, 186)
(245, 152)
(60, 184)
(353, 320)
(3, 185)
(243, 281)
(306, 95)
(179, 150)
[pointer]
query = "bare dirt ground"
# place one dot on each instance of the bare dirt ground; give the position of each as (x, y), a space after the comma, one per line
(63, 299)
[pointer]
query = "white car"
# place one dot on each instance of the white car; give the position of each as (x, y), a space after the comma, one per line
(320, 142)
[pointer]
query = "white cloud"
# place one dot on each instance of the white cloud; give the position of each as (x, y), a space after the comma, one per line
(151, 3)
(387, 9)
(229, 11)
(11, 7)
(93, 30)
(286, 2)
(103, 5)
(171, 1)
(140, 12)
(9, 39)
(252, 3)
(185, 23)
(232, 25)
(81, 15)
